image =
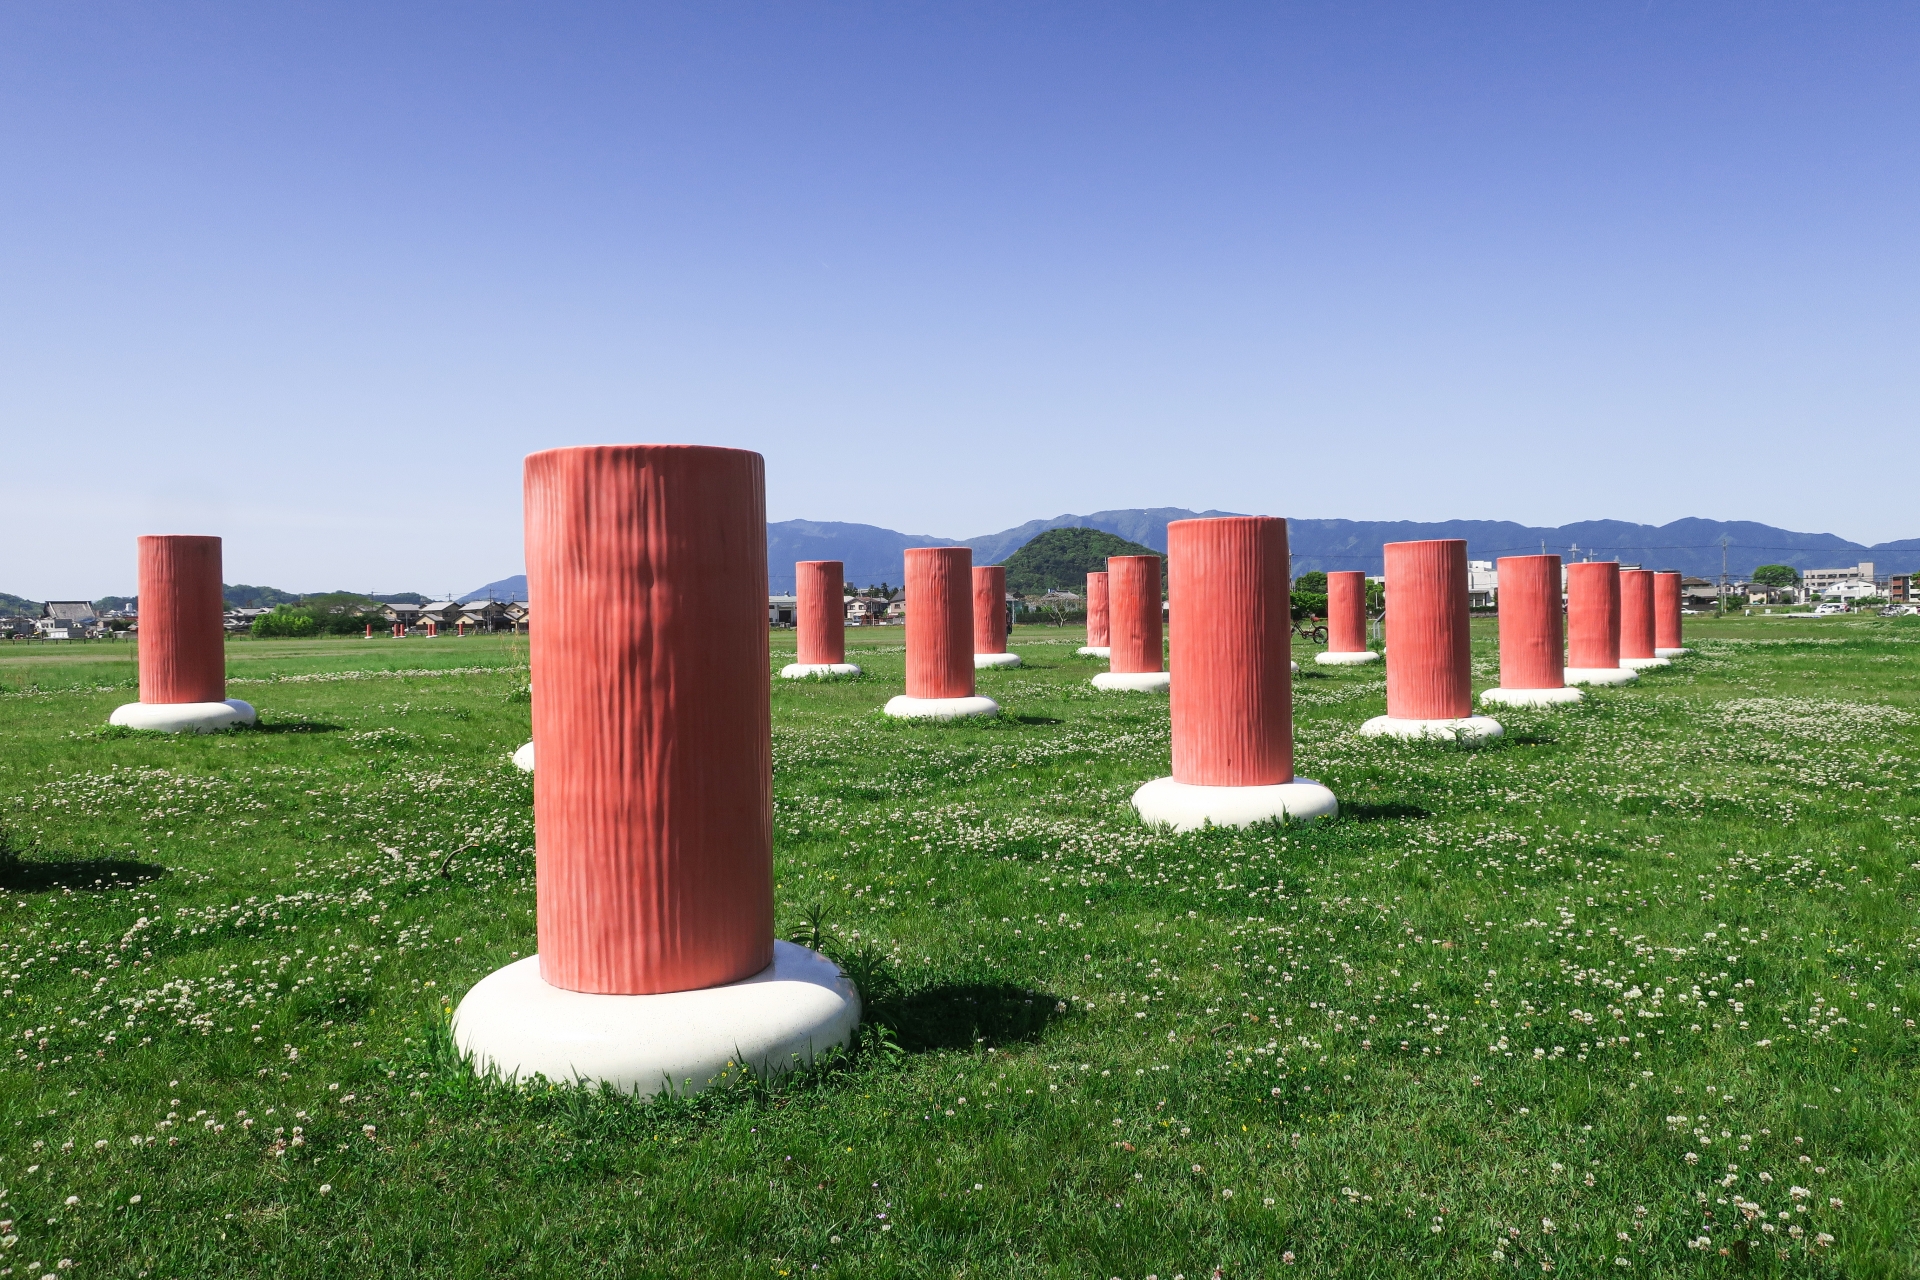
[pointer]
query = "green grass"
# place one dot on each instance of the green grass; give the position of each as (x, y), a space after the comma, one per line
(1643, 962)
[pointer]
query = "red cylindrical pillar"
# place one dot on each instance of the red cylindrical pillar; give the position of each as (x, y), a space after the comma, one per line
(1593, 615)
(653, 809)
(183, 638)
(820, 612)
(1347, 612)
(989, 608)
(939, 622)
(1636, 613)
(1097, 632)
(1133, 586)
(1666, 611)
(1232, 692)
(1429, 674)
(1532, 631)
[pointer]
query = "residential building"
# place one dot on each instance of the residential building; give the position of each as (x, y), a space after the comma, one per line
(1699, 593)
(780, 610)
(865, 611)
(1483, 584)
(1819, 582)
(1901, 588)
(67, 620)
(407, 615)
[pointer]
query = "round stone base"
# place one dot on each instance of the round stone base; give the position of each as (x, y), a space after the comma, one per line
(1642, 664)
(804, 670)
(1133, 681)
(514, 1024)
(1185, 807)
(1599, 675)
(1532, 697)
(1470, 731)
(1671, 653)
(183, 717)
(1332, 659)
(1095, 651)
(523, 758)
(906, 708)
(981, 661)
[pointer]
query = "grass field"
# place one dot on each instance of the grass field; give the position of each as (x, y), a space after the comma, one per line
(1631, 992)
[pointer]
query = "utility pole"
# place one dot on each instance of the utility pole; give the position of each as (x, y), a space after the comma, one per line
(1724, 540)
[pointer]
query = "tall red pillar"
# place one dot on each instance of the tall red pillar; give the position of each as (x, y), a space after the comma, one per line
(1232, 708)
(939, 622)
(1636, 614)
(1347, 612)
(820, 613)
(1134, 622)
(1429, 676)
(1098, 632)
(1593, 616)
(1666, 615)
(1532, 631)
(183, 649)
(647, 567)
(989, 608)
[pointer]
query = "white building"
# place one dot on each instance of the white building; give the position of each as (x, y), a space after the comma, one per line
(1483, 584)
(1821, 582)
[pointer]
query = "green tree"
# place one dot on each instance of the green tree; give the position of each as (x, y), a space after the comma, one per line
(1061, 559)
(1776, 575)
(1314, 583)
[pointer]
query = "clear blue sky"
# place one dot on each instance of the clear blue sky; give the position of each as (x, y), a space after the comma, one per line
(316, 277)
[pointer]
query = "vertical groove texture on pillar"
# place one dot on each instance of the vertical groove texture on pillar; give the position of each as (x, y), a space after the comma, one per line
(1133, 613)
(183, 633)
(939, 622)
(1429, 676)
(1532, 632)
(1097, 630)
(1593, 614)
(653, 803)
(820, 611)
(1666, 611)
(989, 609)
(1232, 691)
(1636, 613)
(1347, 612)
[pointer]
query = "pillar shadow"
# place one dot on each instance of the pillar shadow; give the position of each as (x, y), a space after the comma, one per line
(35, 875)
(961, 1015)
(1388, 812)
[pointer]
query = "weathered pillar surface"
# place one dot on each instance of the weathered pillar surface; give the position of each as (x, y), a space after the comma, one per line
(647, 567)
(1593, 615)
(1133, 614)
(989, 608)
(1097, 629)
(1666, 611)
(939, 622)
(1232, 688)
(183, 639)
(1636, 613)
(1429, 676)
(1347, 612)
(820, 611)
(1532, 632)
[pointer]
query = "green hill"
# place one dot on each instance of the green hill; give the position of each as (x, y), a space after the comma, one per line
(1062, 558)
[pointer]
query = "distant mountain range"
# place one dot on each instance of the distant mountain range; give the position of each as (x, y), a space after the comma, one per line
(873, 555)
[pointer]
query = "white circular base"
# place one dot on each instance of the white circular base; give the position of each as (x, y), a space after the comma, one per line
(183, 717)
(513, 1023)
(1332, 659)
(1671, 653)
(1133, 681)
(1599, 675)
(804, 670)
(523, 758)
(981, 661)
(1294, 667)
(1095, 651)
(1532, 697)
(1642, 664)
(1185, 807)
(1469, 731)
(907, 708)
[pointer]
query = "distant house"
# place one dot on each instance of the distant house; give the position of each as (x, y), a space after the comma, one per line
(67, 620)
(1698, 593)
(1483, 584)
(407, 615)
(897, 606)
(445, 614)
(12, 625)
(864, 611)
(486, 615)
(519, 611)
(780, 610)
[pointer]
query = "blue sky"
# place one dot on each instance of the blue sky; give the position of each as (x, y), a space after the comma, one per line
(316, 277)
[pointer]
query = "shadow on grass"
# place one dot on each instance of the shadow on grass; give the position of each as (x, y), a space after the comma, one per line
(961, 1015)
(31, 875)
(293, 726)
(1024, 719)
